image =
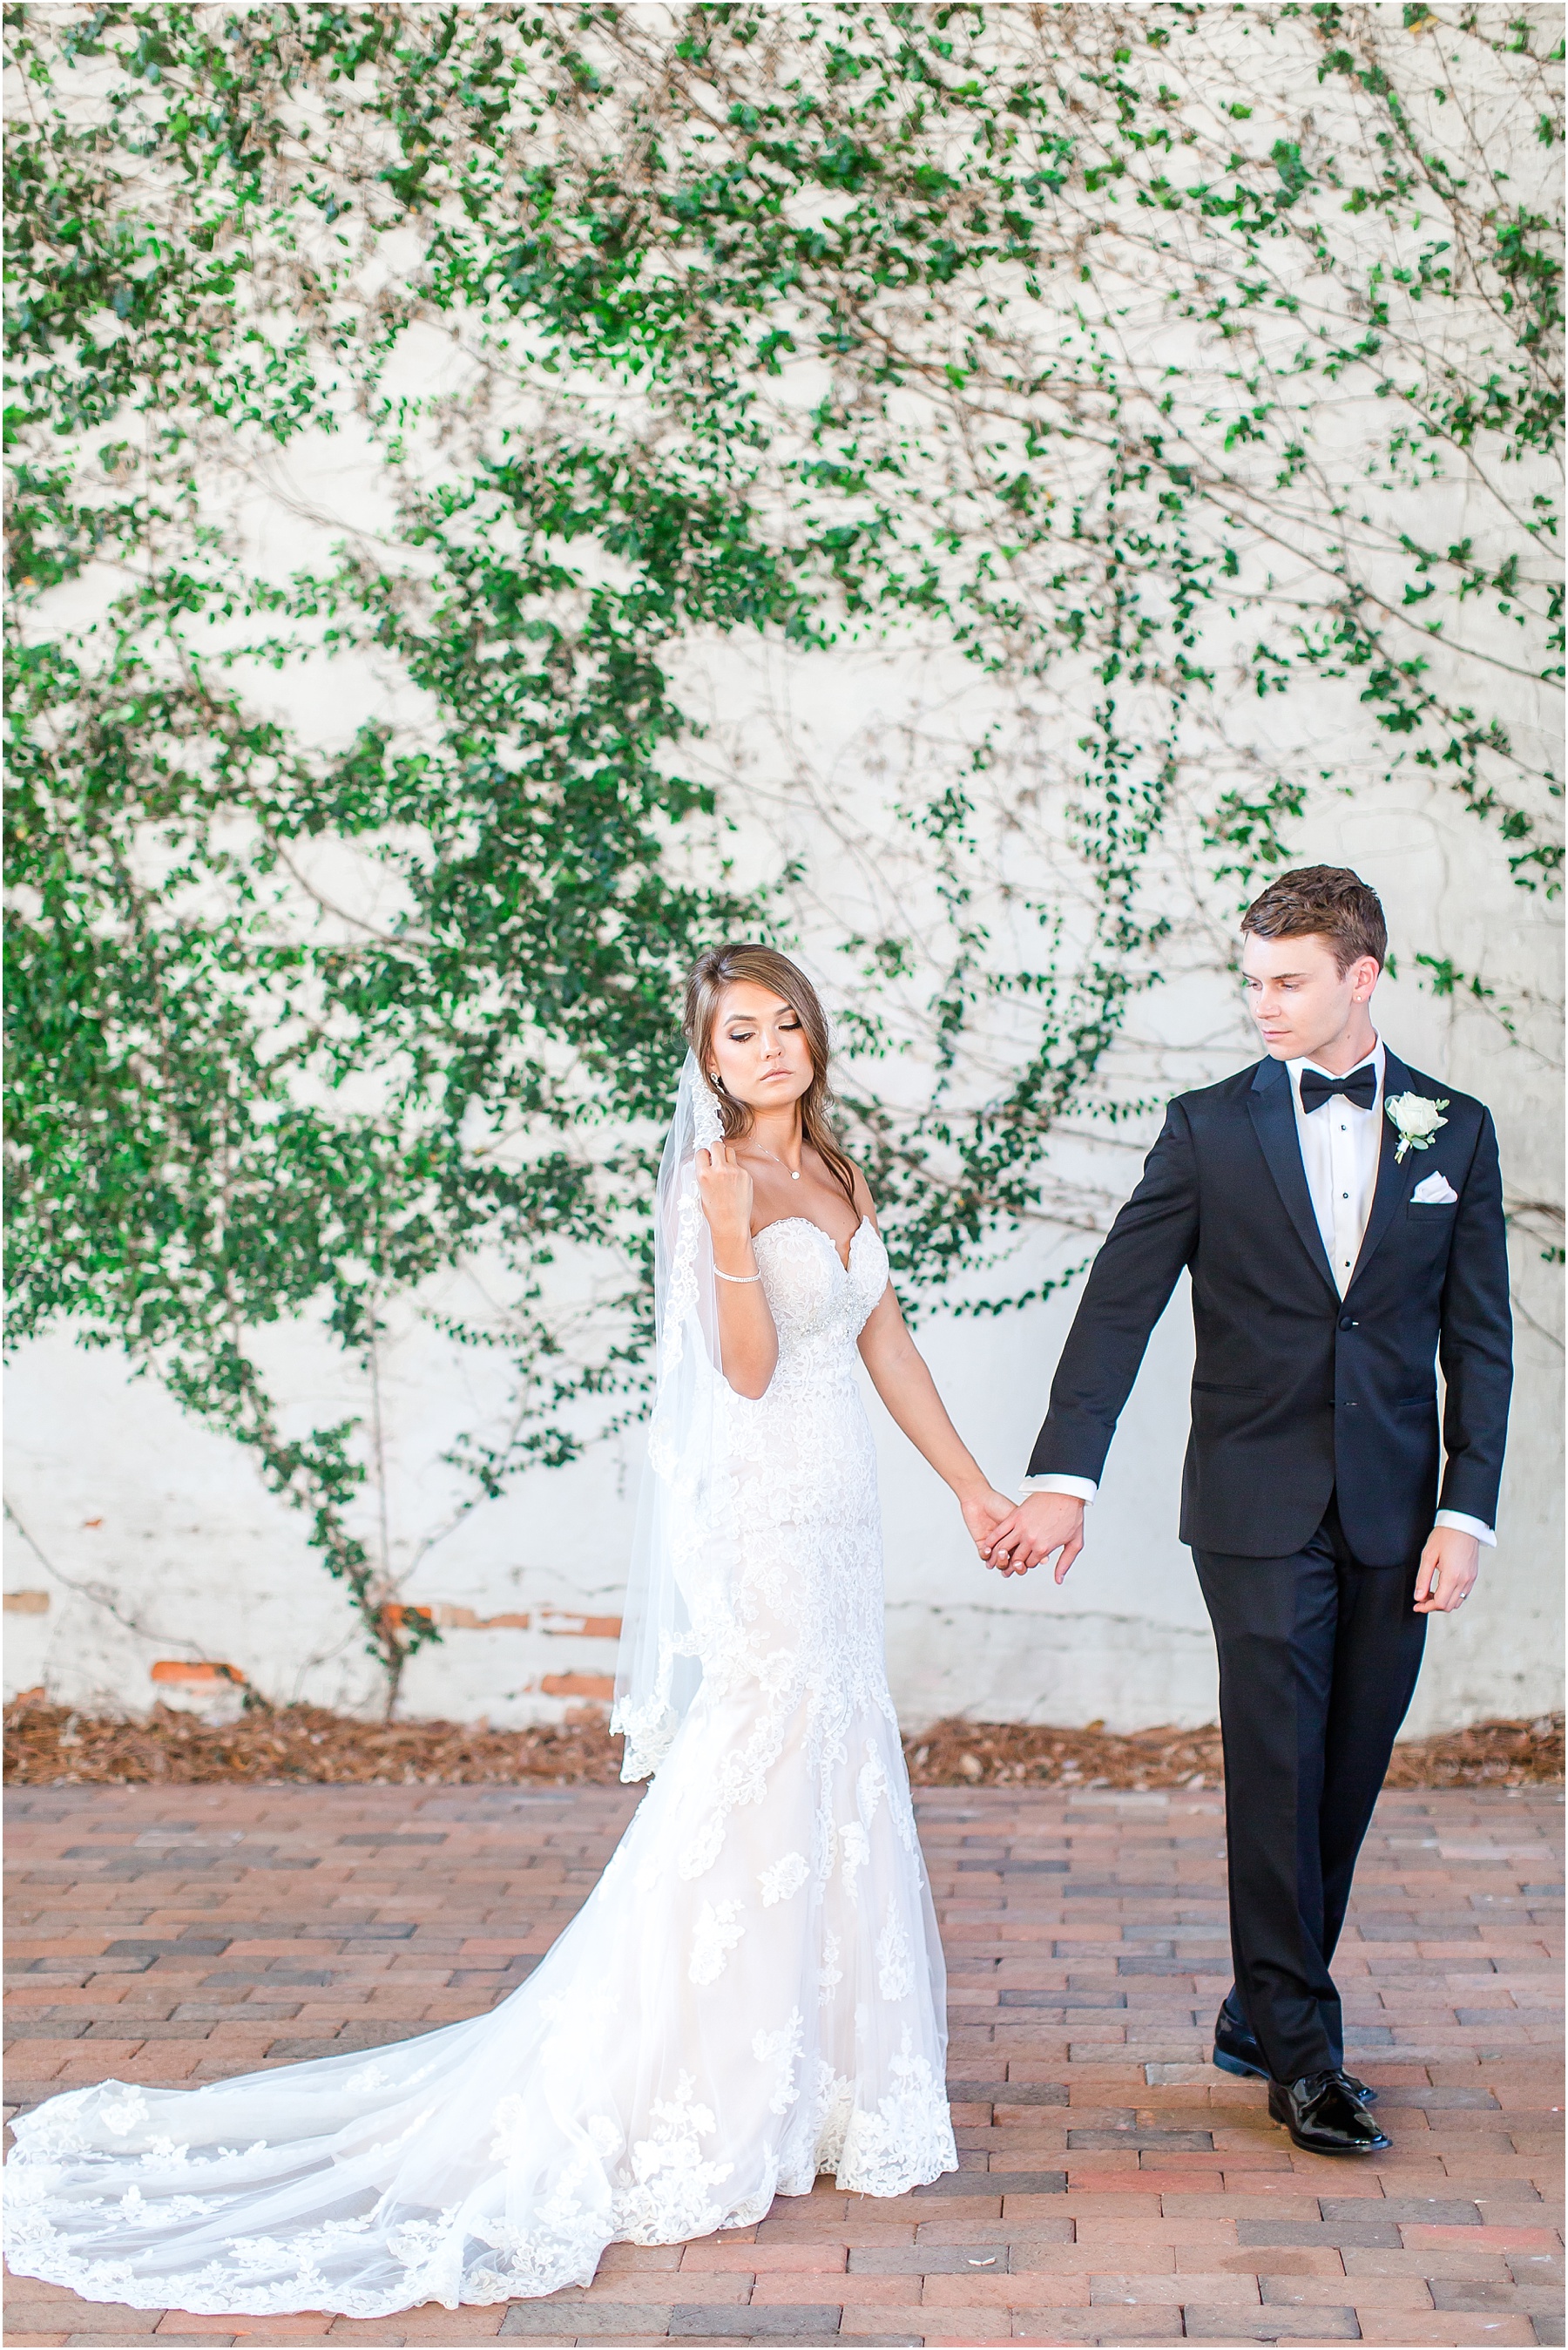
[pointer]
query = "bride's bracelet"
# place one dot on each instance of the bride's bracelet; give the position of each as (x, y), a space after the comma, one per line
(737, 1276)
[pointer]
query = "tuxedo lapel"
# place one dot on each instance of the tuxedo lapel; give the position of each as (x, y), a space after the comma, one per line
(1274, 1114)
(1395, 1182)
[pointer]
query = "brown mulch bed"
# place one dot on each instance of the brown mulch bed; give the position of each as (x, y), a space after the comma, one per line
(48, 1745)
(993, 1753)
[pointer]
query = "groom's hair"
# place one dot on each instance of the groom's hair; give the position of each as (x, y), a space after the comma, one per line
(1328, 900)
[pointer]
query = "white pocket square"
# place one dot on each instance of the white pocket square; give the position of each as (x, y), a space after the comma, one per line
(1434, 1191)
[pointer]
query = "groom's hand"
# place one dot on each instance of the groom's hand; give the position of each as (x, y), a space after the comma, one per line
(1041, 1523)
(1446, 1576)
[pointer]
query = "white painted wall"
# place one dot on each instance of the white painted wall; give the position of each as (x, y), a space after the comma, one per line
(134, 1534)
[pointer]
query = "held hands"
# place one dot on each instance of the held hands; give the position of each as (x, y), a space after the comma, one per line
(983, 1509)
(1033, 1529)
(1043, 1522)
(1448, 1571)
(724, 1187)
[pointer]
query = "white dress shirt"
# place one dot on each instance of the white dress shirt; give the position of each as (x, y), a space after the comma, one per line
(1341, 1146)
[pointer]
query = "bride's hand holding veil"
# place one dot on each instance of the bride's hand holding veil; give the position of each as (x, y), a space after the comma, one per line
(748, 1341)
(725, 1188)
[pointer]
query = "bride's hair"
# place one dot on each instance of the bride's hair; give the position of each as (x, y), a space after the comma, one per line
(738, 960)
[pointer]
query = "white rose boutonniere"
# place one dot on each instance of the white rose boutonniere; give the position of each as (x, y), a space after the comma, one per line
(1416, 1120)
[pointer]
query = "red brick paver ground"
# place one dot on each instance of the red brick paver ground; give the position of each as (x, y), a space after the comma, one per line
(1114, 2189)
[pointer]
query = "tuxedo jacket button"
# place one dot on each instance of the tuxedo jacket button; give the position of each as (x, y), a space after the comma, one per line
(1346, 1323)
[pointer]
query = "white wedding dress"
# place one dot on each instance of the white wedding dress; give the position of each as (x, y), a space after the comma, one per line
(753, 1993)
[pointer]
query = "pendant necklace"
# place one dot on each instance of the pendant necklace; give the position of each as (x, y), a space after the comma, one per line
(793, 1172)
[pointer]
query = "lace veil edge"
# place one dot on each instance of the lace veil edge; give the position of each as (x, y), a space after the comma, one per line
(657, 1672)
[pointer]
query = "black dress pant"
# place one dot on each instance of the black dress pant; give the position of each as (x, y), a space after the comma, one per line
(1318, 1660)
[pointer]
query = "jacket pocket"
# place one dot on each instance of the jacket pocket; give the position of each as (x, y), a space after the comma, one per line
(1220, 1386)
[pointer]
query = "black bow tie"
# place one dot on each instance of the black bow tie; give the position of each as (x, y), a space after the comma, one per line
(1360, 1087)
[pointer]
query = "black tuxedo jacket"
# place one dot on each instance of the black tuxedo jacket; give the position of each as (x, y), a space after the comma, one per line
(1298, 1394)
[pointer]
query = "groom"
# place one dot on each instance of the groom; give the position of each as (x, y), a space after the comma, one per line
(1341, 1216)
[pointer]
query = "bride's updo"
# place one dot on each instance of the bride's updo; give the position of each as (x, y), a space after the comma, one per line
(738, 960)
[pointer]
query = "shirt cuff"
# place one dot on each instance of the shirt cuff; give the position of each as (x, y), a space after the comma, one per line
(1457, 1518)
(1082, 1489)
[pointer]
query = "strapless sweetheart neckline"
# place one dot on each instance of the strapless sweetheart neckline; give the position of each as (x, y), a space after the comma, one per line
(811, 1226)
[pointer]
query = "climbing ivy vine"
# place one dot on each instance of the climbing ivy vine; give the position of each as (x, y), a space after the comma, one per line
(404, 396)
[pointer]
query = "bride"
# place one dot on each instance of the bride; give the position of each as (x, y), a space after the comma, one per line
(753, 1992)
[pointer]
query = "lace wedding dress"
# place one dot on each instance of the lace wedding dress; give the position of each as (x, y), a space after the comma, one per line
(753, 1993)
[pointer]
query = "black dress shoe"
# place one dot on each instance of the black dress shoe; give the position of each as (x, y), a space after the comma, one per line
(1236, 2051)
(1322, 2117)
